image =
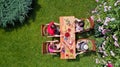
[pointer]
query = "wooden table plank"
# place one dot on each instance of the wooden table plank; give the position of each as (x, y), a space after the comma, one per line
(67, 25)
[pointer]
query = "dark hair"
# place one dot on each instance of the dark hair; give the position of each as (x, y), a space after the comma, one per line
(53, 26)
(52, 46)
(81, 23)
(80, 45)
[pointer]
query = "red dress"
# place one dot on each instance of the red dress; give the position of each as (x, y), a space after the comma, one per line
(50, 30)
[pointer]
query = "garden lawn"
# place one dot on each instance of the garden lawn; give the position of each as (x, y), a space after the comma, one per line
(21, 46)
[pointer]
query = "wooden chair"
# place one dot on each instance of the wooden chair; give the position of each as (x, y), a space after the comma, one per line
(44, 31)
(45, 49)
(92, 46)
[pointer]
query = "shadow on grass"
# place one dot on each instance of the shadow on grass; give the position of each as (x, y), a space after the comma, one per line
(54, 56)
(89, 53)
(35, 7)
(69, 60)
(85, 34)
(31, 15)
(74, 60)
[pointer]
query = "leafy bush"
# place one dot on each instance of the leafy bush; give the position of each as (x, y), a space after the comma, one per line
(12, 11)
(107, 15)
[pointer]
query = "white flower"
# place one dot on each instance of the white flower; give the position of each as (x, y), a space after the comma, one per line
(100, 49)
(104, 61)
(105, 9)
(105, 23)
(105, 54)
(104, 42)
(109, 7)
(116, 44)
(100, 28)
(107, 38)
(112, 53)
(115, 4)
(104, 3)
(112, 19)
(100, 5)
(97, 61)
(114, 37)
(94, 11)
(103, 47)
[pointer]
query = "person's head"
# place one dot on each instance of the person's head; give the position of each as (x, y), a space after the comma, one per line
(80, 45)
(81, 23)
(53, 26)
(85, 47)
(53, 46)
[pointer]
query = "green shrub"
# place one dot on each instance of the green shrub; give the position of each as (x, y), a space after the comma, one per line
(12, 11)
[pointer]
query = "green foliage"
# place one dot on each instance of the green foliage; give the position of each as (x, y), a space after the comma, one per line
(12, 11)
(97, 32)
(108, 9)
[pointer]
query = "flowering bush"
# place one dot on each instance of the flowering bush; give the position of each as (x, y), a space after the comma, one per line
(107, 19)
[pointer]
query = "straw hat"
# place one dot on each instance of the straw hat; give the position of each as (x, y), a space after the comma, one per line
(85, 47)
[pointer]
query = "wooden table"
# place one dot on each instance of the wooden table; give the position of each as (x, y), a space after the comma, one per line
(67, 39)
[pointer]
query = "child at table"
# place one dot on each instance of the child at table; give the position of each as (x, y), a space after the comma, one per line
(53, 46)
(79, 25)
(82, 46)
(52, 29)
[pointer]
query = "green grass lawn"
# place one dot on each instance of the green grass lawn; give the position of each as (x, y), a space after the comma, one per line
(21, 46)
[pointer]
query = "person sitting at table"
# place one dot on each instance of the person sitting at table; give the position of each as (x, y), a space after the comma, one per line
(79, 25)
(82, 46)
(53, 47)
(52, 29)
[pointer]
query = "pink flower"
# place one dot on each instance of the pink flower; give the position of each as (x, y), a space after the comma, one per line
(92, 17)
(114, 37)
(105, 8)
(105, 54)
(107, 19)
(97, 0)
(109, 65)
(104, 31)
(116, 44)
(99, 20)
